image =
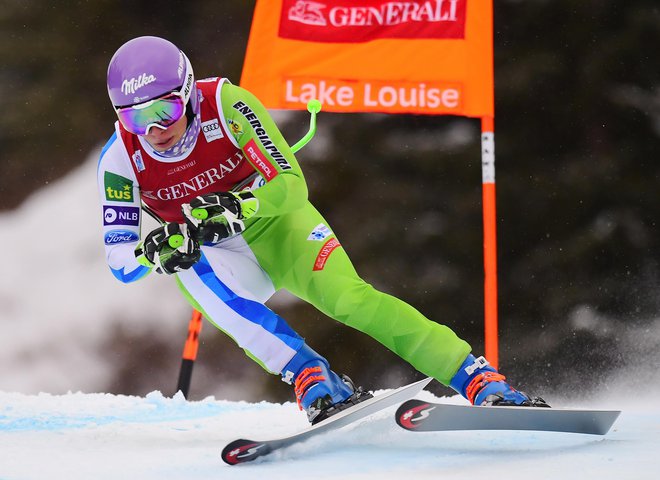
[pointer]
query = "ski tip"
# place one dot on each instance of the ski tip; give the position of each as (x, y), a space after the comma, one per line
(242, 450)
(411, 413)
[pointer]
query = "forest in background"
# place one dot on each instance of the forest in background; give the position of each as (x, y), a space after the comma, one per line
(577, 147)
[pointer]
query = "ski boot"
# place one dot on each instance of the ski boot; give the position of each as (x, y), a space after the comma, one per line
(481, 384)
(320, 391)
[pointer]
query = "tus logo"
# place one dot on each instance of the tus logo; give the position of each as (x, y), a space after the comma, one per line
(117, 188)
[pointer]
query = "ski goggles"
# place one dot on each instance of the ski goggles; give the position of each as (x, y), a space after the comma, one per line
(160, 112)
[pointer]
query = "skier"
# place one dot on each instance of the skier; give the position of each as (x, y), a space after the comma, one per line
(206, 158)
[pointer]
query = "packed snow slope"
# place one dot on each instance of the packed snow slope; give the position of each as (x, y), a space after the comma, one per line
(102, 436)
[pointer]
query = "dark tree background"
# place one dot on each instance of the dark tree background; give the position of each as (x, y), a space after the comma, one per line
(577, 141)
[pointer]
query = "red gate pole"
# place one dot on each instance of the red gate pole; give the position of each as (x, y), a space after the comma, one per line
(490, 239)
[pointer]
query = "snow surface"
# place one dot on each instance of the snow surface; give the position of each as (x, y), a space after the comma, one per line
(81, 436)
(58, 304)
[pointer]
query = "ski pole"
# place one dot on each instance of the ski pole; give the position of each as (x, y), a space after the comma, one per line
(190, 349)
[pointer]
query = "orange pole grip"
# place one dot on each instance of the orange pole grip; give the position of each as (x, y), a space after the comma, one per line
(192, 341)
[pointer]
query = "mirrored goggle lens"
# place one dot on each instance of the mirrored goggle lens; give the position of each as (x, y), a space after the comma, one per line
(161, 112)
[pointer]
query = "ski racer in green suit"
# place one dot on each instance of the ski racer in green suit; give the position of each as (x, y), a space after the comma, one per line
(207, 158)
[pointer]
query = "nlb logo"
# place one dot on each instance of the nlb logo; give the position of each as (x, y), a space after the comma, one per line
(121, 216)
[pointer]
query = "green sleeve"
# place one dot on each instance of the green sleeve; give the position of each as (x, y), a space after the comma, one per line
(253, 127)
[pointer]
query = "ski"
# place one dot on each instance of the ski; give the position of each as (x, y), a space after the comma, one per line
(242, 450)
(418, 416)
